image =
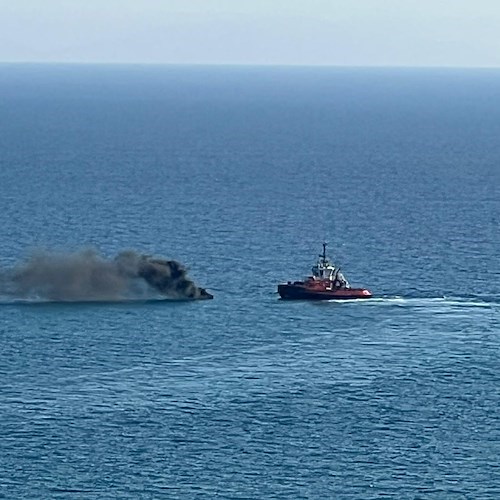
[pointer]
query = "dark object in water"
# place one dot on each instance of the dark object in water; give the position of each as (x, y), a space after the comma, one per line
(169, 278)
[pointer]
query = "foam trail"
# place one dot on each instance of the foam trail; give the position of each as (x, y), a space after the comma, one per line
(86, 275)
(421, 302)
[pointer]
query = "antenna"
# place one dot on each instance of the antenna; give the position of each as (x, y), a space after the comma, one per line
(323, 255)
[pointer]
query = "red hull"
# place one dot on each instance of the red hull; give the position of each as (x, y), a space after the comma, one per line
(302, 291)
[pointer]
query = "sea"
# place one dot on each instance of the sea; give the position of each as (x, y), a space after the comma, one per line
(241, 173)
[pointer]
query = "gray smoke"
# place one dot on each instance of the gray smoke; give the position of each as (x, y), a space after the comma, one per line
(88, 276)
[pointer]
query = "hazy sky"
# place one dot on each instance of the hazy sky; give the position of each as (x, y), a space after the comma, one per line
(332, 32)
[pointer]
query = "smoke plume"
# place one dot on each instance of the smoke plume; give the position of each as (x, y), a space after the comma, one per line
(88, 276)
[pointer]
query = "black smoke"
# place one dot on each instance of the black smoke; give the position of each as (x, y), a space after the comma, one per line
(86, 275)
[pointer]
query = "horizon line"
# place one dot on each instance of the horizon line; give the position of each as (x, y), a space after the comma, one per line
(248, 65)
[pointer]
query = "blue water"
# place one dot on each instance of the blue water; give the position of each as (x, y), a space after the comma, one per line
(241, 174)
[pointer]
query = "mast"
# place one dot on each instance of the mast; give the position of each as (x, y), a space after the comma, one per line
(323, 255)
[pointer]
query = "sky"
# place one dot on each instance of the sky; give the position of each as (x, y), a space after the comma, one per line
(443, 33)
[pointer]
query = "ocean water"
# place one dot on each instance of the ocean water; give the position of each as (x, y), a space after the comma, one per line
(241, 173)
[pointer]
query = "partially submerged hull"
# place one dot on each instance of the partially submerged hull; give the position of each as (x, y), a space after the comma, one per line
(301, 291)
(204, 295)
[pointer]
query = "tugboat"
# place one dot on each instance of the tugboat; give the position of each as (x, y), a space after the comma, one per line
(326, 283)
